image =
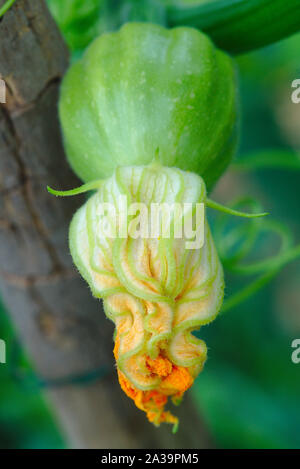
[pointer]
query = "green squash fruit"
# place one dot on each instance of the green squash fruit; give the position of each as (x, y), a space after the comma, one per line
(145, 88)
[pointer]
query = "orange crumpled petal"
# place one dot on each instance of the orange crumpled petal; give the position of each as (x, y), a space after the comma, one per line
(175, 381)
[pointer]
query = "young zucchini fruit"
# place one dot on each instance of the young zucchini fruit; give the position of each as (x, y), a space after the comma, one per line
(137, 91)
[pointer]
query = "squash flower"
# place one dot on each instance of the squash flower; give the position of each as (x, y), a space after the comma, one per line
(157, 291)
(134, 91)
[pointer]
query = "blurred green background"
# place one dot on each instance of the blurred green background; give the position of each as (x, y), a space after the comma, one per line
(249, 391)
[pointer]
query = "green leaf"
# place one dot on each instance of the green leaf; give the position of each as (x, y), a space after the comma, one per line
(80, 22)
(240, 26)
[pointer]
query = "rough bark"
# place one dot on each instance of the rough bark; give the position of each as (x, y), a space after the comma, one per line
(62, 327)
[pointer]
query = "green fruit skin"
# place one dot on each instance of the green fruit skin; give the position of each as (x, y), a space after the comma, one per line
(145, 88)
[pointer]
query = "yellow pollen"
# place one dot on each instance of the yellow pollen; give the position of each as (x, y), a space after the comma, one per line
(175, 381)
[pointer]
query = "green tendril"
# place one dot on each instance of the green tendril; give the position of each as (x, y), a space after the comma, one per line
(89, 186)
(241, 237)
(270, 159)
(253, 287)
(248, 291)
(221, 208)
(6, 7)
(269, 263)
(244, 237)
